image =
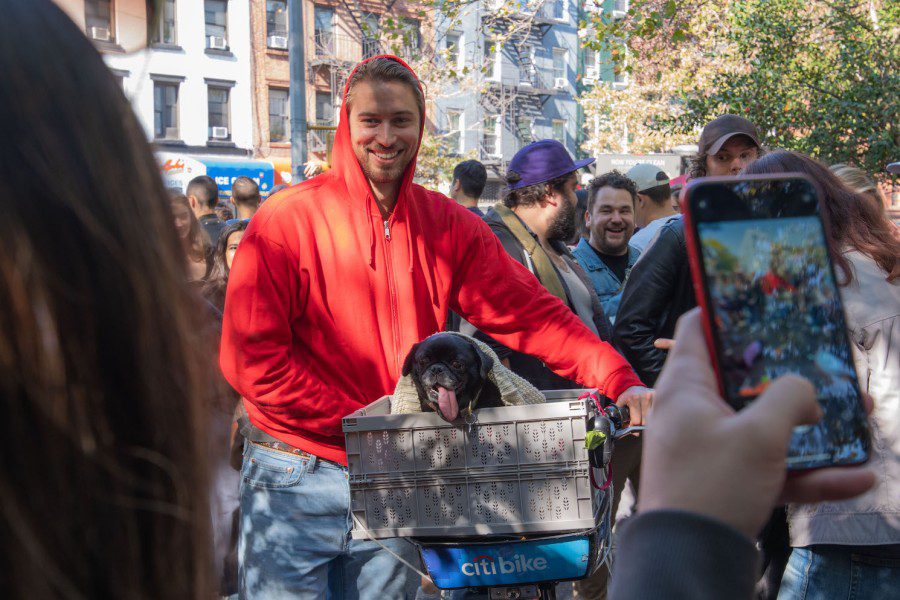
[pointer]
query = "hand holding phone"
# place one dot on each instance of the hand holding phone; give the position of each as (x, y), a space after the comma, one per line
(702, 457)
(771, 306)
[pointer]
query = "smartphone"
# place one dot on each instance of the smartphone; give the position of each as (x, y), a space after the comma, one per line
(770, 301)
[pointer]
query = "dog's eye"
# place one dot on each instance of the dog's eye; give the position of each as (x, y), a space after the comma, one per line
(457, 365)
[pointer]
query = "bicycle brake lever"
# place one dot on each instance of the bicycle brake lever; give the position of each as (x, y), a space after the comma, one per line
(634, 429)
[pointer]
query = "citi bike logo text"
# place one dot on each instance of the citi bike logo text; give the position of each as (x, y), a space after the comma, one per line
(488, 565)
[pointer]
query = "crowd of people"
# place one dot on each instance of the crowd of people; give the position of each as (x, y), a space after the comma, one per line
(140, 327)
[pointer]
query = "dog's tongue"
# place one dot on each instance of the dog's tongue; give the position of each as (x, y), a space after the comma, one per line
(447, 403)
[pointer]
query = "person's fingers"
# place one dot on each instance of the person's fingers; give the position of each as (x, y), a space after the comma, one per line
(637, 417)
(689, 342)
(838, 483)
(788, 402)
(687, 377)
(664, 343)
(868, 403)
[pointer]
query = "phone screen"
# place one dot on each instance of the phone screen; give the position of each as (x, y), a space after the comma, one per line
(774, 307)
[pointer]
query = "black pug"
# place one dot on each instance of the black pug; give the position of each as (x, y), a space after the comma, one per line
(445, 363)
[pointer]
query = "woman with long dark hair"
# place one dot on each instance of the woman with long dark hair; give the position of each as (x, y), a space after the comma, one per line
(104, 486)
(195, 245)
(855, 544)
(222, 257)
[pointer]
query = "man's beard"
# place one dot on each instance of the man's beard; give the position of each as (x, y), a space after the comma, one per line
(562, 227)
(383, 175)
(379, 175)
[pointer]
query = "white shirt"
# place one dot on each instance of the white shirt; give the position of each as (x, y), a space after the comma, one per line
(645, 235)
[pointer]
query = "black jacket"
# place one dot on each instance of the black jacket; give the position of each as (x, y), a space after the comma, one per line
(529, 367)
(658, 291)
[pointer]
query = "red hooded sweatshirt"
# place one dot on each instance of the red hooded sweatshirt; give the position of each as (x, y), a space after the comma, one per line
(325, 299)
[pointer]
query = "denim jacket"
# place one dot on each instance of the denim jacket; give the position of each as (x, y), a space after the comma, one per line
(606, 284)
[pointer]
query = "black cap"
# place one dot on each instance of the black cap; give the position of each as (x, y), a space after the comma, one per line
(720, 130)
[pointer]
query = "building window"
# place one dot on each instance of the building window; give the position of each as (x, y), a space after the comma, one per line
(163, 32)
(276, 19)
(559, 130)
(371, 44)
(279, 115)
(324, 109)
(527, 73)
(491, 139)
(216, 24)
(558, 9)
(525, 129)
(591, 70)
(323, 30)
(165, 110)
(454, 130)
(453, 44)
(559, 63)
(619, 58)
(219, 111)
(412, 34)
(492, 59)
(98, 20)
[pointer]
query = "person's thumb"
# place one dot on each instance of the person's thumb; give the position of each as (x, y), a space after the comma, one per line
(790, 401)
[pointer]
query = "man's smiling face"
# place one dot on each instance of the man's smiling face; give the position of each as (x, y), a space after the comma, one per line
(384, 128)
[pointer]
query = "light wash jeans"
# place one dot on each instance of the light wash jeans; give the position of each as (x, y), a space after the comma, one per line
(828, 572)
(295, 534)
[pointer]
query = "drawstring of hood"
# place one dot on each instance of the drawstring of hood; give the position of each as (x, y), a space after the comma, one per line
(346, 167)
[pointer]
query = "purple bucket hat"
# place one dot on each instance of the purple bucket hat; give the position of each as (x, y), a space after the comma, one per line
(542, 161)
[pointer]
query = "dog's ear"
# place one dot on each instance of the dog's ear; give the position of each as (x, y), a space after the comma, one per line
(410, 360)
(485, 362)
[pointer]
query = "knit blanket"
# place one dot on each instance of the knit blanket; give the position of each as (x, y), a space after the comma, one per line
(513, 389)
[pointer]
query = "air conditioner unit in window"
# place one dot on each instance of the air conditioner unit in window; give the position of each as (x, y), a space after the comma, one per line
(219, 133)
(100, 33)
(277, 41)
(216, 43)
(560, 83)
(171, 133)
(588, 80)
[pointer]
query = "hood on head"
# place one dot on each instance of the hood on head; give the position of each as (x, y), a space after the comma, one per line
(344, 163)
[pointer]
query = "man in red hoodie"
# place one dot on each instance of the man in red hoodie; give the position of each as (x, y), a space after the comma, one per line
(336, 278)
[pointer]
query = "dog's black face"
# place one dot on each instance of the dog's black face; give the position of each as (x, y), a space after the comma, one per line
(445, 363)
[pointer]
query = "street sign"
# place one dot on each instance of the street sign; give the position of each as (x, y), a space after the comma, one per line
(670, 163)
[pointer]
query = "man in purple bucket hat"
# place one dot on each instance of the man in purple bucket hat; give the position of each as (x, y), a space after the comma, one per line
(533, 222)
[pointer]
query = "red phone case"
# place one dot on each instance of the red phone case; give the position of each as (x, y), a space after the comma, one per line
(693, 250)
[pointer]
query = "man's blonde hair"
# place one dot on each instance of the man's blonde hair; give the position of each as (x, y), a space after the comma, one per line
(383, 70)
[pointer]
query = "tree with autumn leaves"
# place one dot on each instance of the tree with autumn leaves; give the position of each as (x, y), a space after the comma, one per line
(817, 76)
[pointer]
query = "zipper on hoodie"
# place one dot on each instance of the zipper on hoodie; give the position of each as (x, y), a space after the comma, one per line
(395, 321)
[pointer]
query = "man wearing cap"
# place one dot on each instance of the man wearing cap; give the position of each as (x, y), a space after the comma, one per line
(653, 207)
(336, 279)
(659, 289)
(726, 145)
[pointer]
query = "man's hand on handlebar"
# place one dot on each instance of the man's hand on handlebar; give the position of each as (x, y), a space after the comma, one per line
(638, 399)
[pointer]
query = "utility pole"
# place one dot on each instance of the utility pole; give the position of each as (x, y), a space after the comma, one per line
(297, 66)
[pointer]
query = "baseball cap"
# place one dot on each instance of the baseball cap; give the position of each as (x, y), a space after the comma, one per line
(542, 161)
(646, 176)
(720, 130)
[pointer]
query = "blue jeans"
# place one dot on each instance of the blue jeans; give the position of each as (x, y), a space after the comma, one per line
(827, 572)
(295, 534)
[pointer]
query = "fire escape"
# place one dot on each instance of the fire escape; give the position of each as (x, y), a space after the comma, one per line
(334, 53)
(517, 99)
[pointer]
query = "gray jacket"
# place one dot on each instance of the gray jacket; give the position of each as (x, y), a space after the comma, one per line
(872, 306)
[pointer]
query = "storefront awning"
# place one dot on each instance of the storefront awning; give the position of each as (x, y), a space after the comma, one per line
(225, 170)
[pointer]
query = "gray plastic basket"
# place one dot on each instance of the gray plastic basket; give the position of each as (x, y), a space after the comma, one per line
(521, 469)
